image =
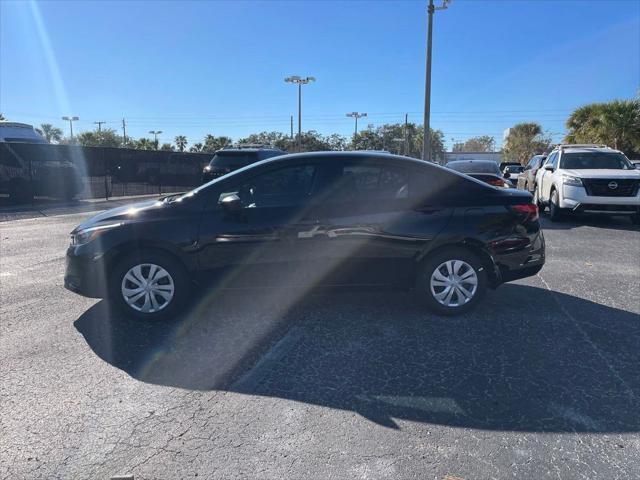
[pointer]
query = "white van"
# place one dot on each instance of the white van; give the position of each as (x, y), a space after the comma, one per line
(19, 132)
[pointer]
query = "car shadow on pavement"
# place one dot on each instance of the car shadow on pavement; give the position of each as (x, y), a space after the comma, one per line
(597, 221)
(527, 359)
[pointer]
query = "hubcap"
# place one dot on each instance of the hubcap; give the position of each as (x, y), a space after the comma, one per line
(454, 283)
(147, 288)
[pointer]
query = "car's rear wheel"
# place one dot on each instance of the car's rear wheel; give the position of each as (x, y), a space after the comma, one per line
(536, 198)
(555, 212)
(150, 286)
(451, 282)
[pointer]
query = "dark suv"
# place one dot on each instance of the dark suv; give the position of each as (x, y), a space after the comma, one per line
(308, 220)
(230, 159)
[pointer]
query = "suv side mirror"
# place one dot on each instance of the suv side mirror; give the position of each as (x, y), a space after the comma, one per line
(231, 203)
(548, 167)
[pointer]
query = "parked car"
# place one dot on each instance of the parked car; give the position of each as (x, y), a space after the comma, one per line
(527, 179)
(589, 179)
(484, 170)
(636, 163)
(29, 169)
(230, 159)
(312, 219)
(19, 132)
(514, 172)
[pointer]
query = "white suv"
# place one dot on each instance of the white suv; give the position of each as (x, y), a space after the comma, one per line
(589, 179)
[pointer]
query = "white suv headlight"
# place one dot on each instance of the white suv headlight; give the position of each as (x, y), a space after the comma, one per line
(85, 236)
(573, 181)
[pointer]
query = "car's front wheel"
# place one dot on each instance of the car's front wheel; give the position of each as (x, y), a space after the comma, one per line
(451, 282)
(150, 286)
(555, 212)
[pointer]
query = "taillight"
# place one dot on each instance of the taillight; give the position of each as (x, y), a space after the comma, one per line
(528, 209)
(496, 182)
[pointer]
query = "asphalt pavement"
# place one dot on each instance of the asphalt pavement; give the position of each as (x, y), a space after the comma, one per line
(541, 381)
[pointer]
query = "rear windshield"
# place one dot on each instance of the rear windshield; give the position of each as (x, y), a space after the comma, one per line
(234, 159)
(475, 167)
(595, 160)
(514, 169)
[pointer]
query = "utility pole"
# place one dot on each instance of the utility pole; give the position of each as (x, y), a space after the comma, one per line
(71, 120)
(299, 81)
(124, 133)
(426, 142)
(356, 115)
(99, 125)
(406, 134)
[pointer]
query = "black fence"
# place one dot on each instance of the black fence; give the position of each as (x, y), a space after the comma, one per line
(31, 172)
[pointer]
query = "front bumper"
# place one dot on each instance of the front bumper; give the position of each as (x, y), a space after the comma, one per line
(576, 198)
(85, 274)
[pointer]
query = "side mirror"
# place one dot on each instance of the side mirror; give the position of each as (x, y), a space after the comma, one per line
(548, 167)
(231, 203)
(506, 175)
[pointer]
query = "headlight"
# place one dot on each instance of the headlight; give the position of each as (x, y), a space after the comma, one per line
(207, 168)
(85, 236)
(573, 181)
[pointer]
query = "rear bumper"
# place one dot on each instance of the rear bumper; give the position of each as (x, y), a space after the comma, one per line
(520, 263)
(85, 275)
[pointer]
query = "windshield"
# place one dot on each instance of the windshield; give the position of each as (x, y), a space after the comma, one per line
(475, 167)
(595, 160)
(233, 159)
(514, 169)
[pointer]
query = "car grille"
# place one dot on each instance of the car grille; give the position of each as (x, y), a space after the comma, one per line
(602, 187)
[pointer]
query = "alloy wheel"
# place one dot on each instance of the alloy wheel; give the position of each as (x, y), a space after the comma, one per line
(147, 288)
(453, 283)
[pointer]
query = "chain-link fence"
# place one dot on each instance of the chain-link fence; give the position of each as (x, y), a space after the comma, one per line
(35, 172)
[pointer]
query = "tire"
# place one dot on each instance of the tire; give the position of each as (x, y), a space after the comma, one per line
(433, 274)
(536, 199)
(165, 301)
(555, 212)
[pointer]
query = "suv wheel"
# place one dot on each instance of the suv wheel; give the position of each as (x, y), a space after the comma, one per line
(149, 286)
(555, 212)
(451, 282)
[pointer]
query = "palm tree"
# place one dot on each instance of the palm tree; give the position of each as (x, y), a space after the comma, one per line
(181, 142)
(51, 133)
(615, 123)
(197, 147)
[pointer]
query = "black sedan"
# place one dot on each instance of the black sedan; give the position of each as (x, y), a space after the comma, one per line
(308, 220)
(484, 170)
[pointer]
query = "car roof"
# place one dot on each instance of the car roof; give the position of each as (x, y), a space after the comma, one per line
(585, 148)
(250, 150)
(473, 161)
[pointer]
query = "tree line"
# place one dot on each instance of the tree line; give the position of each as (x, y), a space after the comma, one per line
(615, 123)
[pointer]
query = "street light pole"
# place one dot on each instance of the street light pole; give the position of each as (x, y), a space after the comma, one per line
(356, 115)
(426, 141)
(99, 125)
(155, 134)
(299, 81)
(71, 120)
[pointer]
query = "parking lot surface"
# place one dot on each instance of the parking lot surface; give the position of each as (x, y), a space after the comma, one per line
(541, 381)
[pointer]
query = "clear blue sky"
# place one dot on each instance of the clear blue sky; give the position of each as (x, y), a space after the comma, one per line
(217, 67)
